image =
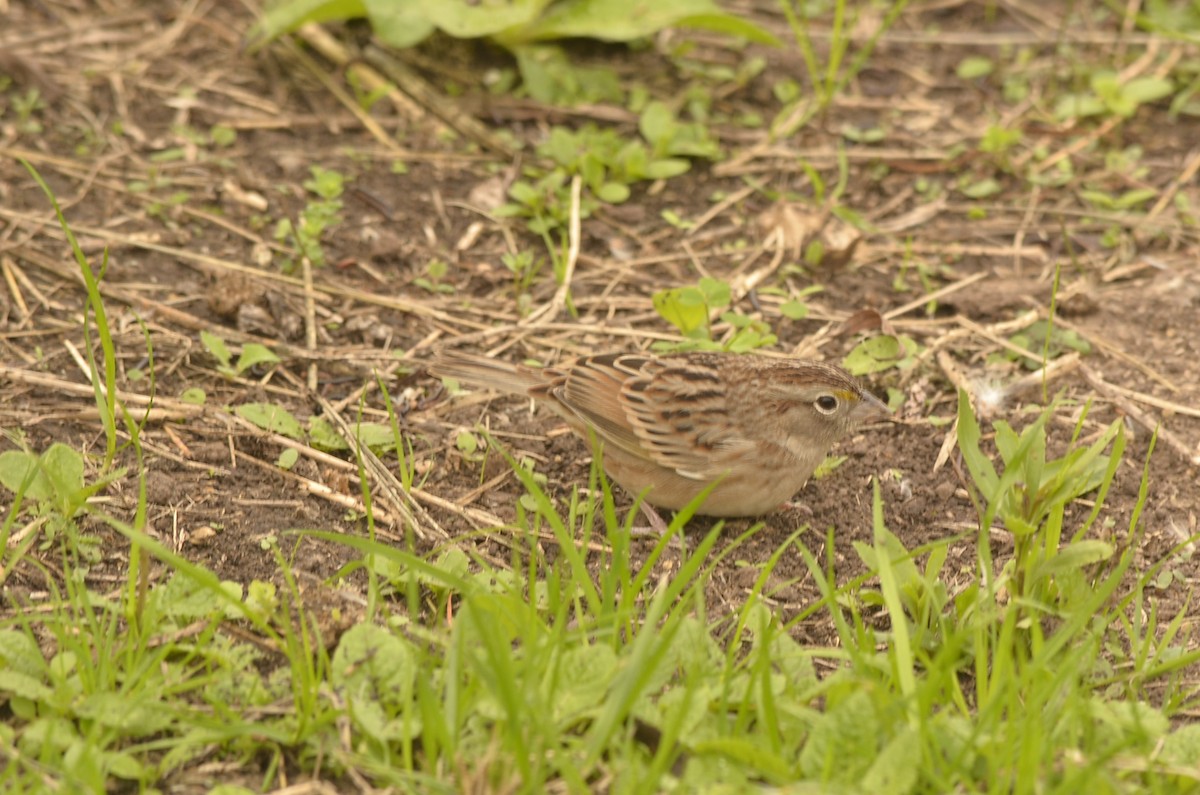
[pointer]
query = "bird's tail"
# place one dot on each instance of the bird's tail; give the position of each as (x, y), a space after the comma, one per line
(482, 371)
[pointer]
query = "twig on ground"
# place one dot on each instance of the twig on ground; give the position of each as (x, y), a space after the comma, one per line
(1148, 422)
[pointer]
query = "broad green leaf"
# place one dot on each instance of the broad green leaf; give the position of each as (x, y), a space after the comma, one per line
(749, 339)
(716, 292)
(1098, 199)
(752, 755)
(1131, 199)
(135, 713)
(217, 347)
(183, 599)
(262, 598)
(469, 19)
(49, 732)
(63, 467)
(1006, 440)
(625, 20)
(793, 661)
(124, 765)
(828, 466)
(1073, 556)
(893, 772)
(1148, 89)
(523, 192)
(981, 189)
(879, 353)
(613, 192)
(657, 123)
(683, 308)
(667, 167)
(842, 743)
(974, 66)
(978, 464)
(1105, 83)
(21, 685)
(271, 417)
(898, 558)
(376, 671)
(323, 436)
(253, 354)
(1182, 746)
(16, 466)
(400, 23)
(287, 15)
(369, 659)
(730, 25)
(1126, 723)
(371, 720)
(376, 436)
(466, 443)
(692, 650)
(585, 673)
(794, 310)
(194, 395)
(550, 77)
(19, 652)
(1077, 106)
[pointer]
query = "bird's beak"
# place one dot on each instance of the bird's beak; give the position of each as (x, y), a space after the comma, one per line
(870, 409)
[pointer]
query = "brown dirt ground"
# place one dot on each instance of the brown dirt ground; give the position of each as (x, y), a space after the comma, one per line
(127, 86)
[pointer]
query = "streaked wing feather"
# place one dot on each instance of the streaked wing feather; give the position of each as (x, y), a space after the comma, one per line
(590, 388)
(679, 415)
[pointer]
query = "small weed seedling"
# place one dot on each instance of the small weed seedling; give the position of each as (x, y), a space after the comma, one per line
(524, 266)
(320, 213)
(608, 164)
(252, 355)
(1041, 336)
(828, 79)
(432, 281)
(1030, 497)
(690, 310)
(882, 352)
(1108, 95)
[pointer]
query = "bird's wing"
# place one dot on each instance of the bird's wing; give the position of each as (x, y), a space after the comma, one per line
(590, 389)
(679, 413)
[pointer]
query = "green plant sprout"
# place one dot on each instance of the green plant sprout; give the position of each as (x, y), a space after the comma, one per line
(690, 309)
(1109, 95)
(432, 282)
(1041, 336)
(827, 79)
(27, 106)
(524, 267)
(1031, 494)
(882, 352)
(318, 216)
(608, 164)
(252, 355)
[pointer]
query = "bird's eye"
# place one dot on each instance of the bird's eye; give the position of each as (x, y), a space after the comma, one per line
(826, 404)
